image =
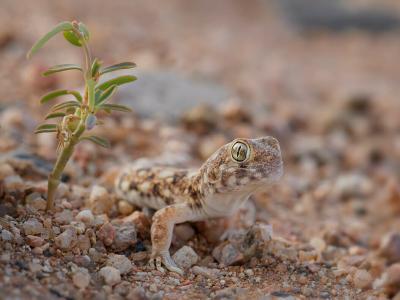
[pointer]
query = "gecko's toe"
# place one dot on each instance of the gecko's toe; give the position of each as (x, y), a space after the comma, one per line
(157, 261)
(170, 264)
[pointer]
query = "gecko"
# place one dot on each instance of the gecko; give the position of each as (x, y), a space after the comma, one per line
(217, 189)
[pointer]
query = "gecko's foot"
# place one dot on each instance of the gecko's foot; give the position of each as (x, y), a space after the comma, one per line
(156, 261)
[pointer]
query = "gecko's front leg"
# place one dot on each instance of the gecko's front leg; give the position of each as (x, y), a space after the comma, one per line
(161, 234)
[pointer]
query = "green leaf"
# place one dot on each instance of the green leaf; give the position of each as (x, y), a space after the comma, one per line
(120, 66)
(95, 67)
(116, 107)
(108, 93)
(116, 81)
(73, 38)
(46, 128)
(60, 68)
(54, 115)
(42, 41)
(64, 105)
(84, 31)
(90, 87)
(76, 94)
(97, 140)
(54, 94)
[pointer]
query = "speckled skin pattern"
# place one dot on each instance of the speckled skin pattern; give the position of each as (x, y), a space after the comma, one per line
(217, 189)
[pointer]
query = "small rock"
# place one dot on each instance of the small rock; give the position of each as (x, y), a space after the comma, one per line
(249, 272)
(35, 201)
(318, 244)
(82, 260)
(6, 170)
(352, 185)
(173, 281)
(83, 242)
(67, 239)
(110, 275)
(81, 278)
(125, 236)
(362, 279)
(183, 232)
(141, 222)
(235, 112)
(206, 272)
(85, 216)
(390, 247)
(227, 254)
(120, 262)
(185, 257)
(6, 235)
(32, 227)
(153, 288)
(125, 208)
(390, 280)
(200, 119)
(65, 217)
(106, 234)
(100, 220)
(34, 241)
(13, 183)
(100, 201)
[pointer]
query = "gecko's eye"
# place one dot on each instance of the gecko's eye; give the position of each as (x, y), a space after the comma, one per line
(240, 151)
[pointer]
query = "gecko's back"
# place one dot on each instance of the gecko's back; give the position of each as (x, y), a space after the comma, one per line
(154, 187)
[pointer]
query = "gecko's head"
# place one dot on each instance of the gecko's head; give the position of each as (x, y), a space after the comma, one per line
(244, 164)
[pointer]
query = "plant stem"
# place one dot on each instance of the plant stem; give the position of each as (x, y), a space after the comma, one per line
(64, 156)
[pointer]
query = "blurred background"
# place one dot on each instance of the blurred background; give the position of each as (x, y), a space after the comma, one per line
(321, 76)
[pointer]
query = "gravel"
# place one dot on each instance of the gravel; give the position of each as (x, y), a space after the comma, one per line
(110, 275)
(185, 257)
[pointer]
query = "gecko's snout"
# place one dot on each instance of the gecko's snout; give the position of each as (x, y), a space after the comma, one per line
(273, 143)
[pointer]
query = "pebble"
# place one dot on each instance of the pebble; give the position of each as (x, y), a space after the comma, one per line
(125, 236)
(81, 278)
(249, 272)
(6, 235)
(362, 279)
(173, 281)
(110, 275)
(83, 242)
(318, 244)
(6, 170)
(34, 241)
(99, 200)
(65, 217)
(106, 234)
(67, 239)
(153, 288)
(35, 201)
(206, 272)
(13, 182)
(390, 247)
(227, 254)
(125, 208)
(85, 216)
(32, 227)
(390, 280)
(183, 232)
(120, 262)
(185, 257)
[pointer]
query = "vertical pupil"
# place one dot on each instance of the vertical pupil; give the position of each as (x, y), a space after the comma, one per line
(238, 152)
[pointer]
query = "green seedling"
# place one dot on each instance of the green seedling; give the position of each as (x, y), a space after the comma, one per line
(79, 114)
